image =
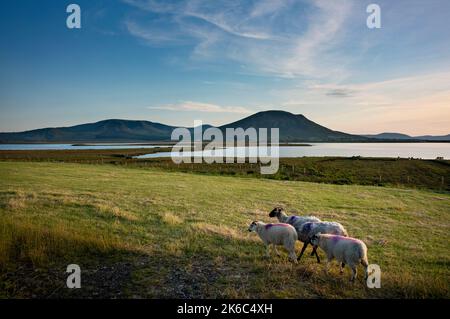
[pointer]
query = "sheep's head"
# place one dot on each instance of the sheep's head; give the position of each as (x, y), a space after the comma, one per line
(276, 212)
(315, 239)
(252, 226)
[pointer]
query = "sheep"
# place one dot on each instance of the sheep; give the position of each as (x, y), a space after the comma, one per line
(276, 234)
(307, 230)
(346, 250)
(297, 222)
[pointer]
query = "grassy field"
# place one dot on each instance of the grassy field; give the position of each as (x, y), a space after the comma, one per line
(423, 174)
(154, 233)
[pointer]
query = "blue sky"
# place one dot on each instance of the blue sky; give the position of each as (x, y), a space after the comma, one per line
(218, 61)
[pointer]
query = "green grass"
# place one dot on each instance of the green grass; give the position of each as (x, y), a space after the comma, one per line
(154, 233)
(423, 174)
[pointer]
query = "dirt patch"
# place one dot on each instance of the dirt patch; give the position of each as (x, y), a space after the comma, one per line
(197, 279)
(109, 280)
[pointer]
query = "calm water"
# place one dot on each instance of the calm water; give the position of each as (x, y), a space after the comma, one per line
(405, 150)
(416, 150)
(15, 147)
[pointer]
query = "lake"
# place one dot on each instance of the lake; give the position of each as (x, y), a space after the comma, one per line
(404, 150)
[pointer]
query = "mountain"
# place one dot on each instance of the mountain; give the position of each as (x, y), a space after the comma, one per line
(293, 128)
(390, 136)
(399, 136)
(434, 138)
(103, 131)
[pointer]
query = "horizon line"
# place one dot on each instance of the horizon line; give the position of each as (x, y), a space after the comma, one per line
(206, 124)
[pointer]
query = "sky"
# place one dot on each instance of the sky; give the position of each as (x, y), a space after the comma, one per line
(219, 61)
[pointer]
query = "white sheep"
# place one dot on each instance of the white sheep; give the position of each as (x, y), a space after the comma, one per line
(276, 234)
(308, 230)
(346, 250)
(297, 222)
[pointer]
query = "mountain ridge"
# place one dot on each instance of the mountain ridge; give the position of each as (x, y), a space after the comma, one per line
(292, 127)
(400, 136)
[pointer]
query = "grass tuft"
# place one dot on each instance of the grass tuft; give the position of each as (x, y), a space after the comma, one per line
(171, 219)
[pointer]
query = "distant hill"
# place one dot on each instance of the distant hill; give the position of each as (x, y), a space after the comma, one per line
(293, 128)
(390, 136)
(434, 138)
(104, 131)
(399, 136)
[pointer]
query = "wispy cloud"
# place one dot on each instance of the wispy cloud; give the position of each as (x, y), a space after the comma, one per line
(332, 65)
(406, 104)
(162, 37)
(190, 106)
(284, 38)
(339, 93)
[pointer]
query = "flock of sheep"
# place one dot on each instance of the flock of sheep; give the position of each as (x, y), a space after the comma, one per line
(331, 237)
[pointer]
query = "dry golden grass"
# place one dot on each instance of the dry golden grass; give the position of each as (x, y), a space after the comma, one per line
(171, 219)
(115, 211)
(30, 242)
(223, 231)
(195, 239)
(19, 199)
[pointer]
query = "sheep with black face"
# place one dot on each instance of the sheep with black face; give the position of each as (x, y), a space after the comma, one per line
(297, 222)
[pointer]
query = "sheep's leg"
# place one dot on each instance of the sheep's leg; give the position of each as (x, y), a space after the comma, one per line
(365, 265)
(293, 256)
(303, 250)
(327, 265)
(276, 250)
(291, 249)
(354, 273)
(317, 255)
(268, 250)
(341, 268)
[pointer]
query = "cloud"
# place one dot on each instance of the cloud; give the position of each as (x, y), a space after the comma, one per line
(339, 93)
(334, 67)
(151, 36)
(391, 92)
(286, 38)
(405, 104)
(189, 106)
